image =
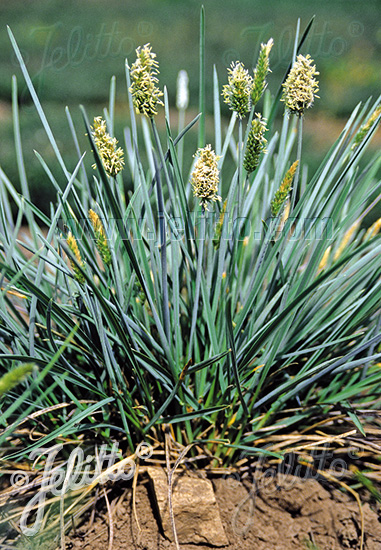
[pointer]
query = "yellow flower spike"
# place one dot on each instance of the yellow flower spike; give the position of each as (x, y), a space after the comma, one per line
(14, 293)
(284, 190)
(218, 230)
(257, 368)
(96, 222)
(286, 211)
(72, 244)
(111, 155)
(145, 94)
(15, 376)
(324, 260)
(346, 239)
(256, 144)
(300, 87)
(205, 176)
(361, 134)
(373, 230)
(237, 93)
(232, 420)
(101, 239)
(260, 72)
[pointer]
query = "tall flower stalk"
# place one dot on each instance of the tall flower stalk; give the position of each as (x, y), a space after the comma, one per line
(237, 94)
(205, 182)
(299, 92)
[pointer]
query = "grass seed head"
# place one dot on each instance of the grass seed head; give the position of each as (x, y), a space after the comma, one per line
(237, 93)
(256, 143)
(361, 134)
(260, 72)
(145, 94)
(346, 239)
(373, 230)
(300, 87)
(101, 239)
(15, 376)
(182, 92)
(111, 155)
(73, 246)
(325, 258)
(284, 190)
(205, 176)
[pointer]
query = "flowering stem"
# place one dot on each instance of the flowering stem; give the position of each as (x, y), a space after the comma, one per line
(240, 140)
(162, 243)
(198, 280)
(201, 134)
(237, 231)
(298, 157)
(163, 252)
(162, 160)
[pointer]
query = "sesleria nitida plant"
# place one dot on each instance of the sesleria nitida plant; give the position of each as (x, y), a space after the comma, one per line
(194, 300)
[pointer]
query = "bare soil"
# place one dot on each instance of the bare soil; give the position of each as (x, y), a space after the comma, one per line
(284, 513)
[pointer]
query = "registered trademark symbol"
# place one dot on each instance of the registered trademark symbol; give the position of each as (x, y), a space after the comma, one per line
(229, 56)
(356, 28)
(145, 28)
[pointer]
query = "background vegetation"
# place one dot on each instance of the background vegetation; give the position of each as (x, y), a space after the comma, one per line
(73, 48)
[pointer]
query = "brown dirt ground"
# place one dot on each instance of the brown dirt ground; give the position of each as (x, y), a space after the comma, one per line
(287, 513)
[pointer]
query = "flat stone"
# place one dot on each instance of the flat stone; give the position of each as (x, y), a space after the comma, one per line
(197, 517)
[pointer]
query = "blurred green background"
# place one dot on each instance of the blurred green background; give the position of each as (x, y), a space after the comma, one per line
(73, 47)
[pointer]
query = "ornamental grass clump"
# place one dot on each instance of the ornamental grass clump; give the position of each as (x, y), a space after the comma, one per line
(158, 305)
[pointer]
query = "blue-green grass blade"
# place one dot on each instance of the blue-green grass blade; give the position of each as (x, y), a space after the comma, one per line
(217, 112)
(201, 99)
(37, 103)
(253, 450)
(35, 384)
(203, 413)
(234, 357)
